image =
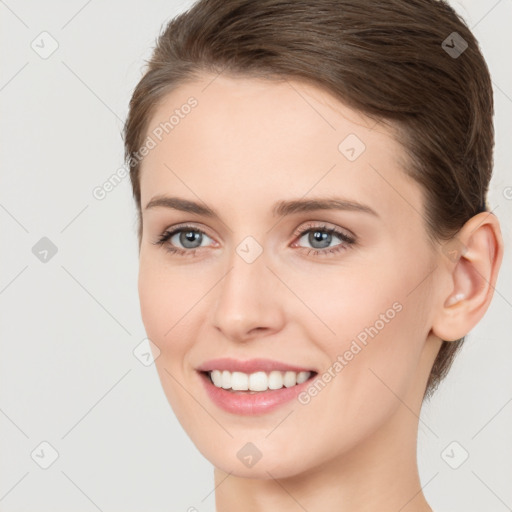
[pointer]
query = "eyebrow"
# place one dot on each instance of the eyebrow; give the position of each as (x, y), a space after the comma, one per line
(280, 209)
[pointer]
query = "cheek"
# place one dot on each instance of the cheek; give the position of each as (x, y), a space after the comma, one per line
(381, 325)
(167, 296)
(155, 304)
(166, 301)
(371, 360)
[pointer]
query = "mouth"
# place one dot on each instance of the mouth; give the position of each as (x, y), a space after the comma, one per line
(255, 386)
(257, 382)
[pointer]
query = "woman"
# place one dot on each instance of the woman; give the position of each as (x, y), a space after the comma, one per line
(315, 243)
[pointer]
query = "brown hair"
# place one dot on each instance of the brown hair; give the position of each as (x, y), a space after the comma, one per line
(397, 61)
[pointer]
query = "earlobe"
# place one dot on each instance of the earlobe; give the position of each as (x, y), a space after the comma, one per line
(471, 273)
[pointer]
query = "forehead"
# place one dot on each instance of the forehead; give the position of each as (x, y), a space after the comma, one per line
(245, 137)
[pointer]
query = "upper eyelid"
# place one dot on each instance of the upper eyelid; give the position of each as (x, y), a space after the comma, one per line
(178, 228)
(324, 226)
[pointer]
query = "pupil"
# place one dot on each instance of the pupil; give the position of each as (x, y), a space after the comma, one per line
(188, 237)
(320, 236)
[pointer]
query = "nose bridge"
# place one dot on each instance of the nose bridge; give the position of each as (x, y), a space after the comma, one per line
(247, 297)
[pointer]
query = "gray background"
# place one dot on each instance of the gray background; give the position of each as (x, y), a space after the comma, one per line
(68, 374)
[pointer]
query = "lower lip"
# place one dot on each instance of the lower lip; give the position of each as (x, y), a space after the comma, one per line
(247, 404)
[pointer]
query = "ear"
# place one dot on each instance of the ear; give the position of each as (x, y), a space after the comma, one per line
(470, 263)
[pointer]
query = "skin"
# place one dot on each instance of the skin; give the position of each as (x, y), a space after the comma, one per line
(248, 144)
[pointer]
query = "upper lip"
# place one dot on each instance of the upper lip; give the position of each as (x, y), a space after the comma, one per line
(249, 366)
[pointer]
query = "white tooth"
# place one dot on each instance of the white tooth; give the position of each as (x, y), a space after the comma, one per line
(226, 379)
(290, 379)
(258, 381)
(275, 380)
(216, 376)
(239, 381)
(303, 377)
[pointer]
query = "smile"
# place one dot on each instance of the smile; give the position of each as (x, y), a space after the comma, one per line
(258, 381)
(253, 387)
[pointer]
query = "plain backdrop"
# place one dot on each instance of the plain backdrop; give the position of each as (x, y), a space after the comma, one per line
(84, 424)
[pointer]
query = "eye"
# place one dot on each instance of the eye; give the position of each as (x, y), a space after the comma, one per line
(189, 236)
(321, 236)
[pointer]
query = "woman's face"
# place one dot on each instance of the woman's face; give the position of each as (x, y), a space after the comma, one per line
(259, 275)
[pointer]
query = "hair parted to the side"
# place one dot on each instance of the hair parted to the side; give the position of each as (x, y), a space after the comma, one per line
(383, 58)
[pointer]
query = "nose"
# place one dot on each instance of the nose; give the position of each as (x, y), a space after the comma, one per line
(248, 303)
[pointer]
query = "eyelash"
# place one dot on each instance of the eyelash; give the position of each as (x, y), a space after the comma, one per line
(347, 240)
